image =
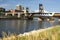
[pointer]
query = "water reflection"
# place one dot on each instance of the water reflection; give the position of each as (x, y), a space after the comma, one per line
(21, 26)
(45, 24)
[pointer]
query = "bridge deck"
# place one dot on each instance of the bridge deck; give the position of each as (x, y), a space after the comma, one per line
(41, 14)
(46, 14)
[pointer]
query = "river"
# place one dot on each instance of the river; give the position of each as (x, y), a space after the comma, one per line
(21, 26)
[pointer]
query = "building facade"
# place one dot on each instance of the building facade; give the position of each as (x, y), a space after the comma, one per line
(2, 9)
(19, 7)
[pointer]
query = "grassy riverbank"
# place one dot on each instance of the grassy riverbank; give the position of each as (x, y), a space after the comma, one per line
(52, 33)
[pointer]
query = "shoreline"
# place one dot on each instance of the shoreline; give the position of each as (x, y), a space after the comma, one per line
(36, 33)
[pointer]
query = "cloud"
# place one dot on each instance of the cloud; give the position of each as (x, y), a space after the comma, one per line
(4, 5)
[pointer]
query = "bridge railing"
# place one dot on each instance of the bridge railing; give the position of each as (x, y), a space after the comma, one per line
(43, 14)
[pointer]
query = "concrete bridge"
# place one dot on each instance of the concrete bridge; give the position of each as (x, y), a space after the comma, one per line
(47, 16)
(40, 16)
(10, 14)
(26, 15)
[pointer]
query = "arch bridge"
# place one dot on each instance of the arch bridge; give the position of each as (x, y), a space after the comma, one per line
(45, 15)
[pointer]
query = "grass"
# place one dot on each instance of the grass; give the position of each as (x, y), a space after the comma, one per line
(52, 33)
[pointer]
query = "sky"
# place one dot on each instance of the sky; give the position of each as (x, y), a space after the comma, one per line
(48, 5)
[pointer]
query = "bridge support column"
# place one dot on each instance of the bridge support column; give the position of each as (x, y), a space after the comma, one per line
(48, 19)
(30, 17)
(39, 19)
(6, 14)
(58, 19)
(12, 14)
(19, 15)
(26, 16)
(51, 19)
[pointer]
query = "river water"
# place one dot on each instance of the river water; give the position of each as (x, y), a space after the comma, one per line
(21, 26)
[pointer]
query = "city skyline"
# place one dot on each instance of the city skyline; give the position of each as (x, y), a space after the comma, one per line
(48, 5)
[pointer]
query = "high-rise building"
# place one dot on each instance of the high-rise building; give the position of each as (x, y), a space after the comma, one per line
(41, 8)
(19, 7)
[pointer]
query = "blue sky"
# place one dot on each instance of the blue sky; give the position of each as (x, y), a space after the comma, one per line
(49, 5)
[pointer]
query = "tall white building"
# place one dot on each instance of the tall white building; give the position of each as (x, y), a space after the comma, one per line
(19, 7)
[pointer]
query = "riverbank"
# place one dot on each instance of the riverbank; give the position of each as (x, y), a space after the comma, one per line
(51, 33)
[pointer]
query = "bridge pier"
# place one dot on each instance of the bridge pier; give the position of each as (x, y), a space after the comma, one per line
(46, 18)
(42, 19)
(39, 19)
(19, 15)
(6, 14)
(12, 14)
(29, 18)
(26, 14)
(50, 18)
(59, 19)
